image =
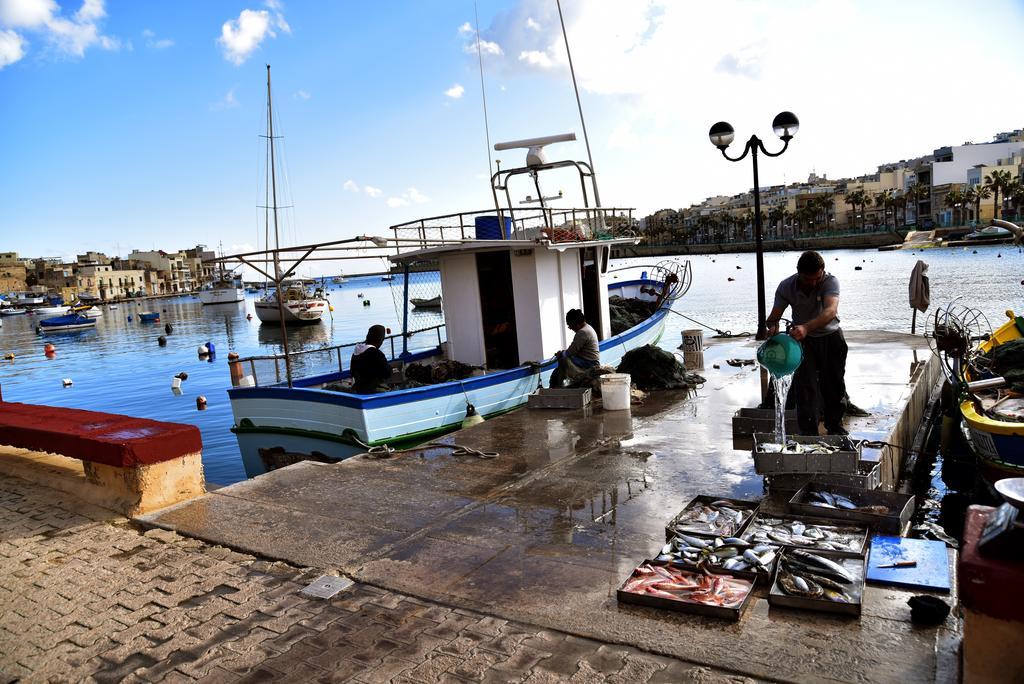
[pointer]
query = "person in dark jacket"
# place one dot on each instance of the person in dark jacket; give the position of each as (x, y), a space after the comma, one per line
(370, 368)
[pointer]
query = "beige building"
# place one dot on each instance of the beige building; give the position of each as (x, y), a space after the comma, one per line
(172, 272)
(105, 282)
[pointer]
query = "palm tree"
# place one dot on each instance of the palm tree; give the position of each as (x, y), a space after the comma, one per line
(899, 201)
(774, 217)
(915, 193)
(1014, 192)
(975, 194)
(956, 199)
(997, 182)
(855, 199)
(884, 199)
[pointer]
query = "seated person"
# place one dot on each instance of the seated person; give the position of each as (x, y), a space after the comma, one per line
(583, 353)
(370, 368)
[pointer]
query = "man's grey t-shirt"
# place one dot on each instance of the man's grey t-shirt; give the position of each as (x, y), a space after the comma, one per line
(585, 344)
(807, 306)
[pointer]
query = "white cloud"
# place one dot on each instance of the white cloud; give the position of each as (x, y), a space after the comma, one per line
(156, 43)
(27, 13)
(536, 58)
(372, 191)
(302, 95)
(239, 38)
(67, 36)
(226, 102)
(486, 47)
(455, 92)
(410, 196)
(466, 28)
(351, 186)
(11, 48)
(531, 24)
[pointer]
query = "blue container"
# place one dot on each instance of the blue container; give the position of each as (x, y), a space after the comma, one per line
(780, 354)
(489, 228)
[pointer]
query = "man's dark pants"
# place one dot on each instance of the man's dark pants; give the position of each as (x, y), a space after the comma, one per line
(823, 368)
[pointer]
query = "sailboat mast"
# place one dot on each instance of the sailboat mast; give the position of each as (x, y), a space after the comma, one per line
(277, 241)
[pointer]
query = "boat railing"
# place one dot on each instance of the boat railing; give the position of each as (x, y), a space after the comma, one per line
(319, 361)
(535, 223)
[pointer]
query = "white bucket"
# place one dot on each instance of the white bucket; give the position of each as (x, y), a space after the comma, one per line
(693, 349)
(615, 391)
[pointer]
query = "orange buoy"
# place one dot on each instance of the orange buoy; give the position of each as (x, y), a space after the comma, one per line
(49, 348)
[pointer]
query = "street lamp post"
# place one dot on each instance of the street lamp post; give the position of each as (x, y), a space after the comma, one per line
(785, 126)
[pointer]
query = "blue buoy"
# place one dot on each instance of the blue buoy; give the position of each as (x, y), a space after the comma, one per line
(210, 348)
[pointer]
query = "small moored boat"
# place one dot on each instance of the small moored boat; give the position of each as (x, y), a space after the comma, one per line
(432, 303)
(149, 316)
(68, 322)
(12, 311)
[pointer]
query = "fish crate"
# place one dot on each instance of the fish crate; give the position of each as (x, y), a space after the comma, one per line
(748, 421)
(859, 533)
(868, 476)
(846, 460)
(682, 605)
(852, 564)
(560, 398)
(674, 526)
(901, 506)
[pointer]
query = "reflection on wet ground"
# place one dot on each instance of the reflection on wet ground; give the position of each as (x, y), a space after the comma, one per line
(547, 531)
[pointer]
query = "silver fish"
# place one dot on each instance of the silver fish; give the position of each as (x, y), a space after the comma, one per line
(824, 563)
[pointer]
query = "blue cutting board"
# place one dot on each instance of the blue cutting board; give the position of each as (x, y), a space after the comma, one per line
(932, 571)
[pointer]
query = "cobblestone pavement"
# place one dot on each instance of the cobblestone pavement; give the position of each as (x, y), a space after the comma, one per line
(86, 596)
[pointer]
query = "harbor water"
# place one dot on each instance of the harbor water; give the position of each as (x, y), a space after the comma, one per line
(120, 368)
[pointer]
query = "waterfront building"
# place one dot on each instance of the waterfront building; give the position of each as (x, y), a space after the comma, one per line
(107, 282)
(173, 274)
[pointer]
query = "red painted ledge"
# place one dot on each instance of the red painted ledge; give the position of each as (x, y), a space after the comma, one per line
(106, 438)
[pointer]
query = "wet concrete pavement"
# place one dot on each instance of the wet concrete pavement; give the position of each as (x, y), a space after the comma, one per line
(546, 532)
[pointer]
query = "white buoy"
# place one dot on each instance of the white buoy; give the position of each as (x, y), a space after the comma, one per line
(67, 382)
(175, 383)
(203, 351)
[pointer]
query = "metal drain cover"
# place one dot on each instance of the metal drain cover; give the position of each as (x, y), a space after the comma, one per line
(326, 586)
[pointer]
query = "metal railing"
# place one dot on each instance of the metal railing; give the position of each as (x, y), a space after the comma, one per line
(536, 223)
(305, 360)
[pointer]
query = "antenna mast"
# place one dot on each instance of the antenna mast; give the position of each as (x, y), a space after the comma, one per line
(572, 72)
(483, 92)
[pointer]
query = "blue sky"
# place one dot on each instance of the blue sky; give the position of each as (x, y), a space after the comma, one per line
(132, 124)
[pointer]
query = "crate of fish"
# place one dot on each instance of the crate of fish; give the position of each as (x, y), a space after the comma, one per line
(747, 421)
(733, 555)
(800, 454)
(659, 585)
(812, 534)
(713, 517)
(868, 476)
(883, 511)
(818, 580)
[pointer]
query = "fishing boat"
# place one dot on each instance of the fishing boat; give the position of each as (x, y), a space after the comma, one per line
(225, 289)
(432, 303)
(994, 425)
(504, 320)
(338, 280)
(27, 299)
(387, 278)
(67, 322)
(149, 316)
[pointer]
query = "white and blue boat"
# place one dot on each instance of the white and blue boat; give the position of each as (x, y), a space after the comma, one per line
(508, 277)
(68, 322)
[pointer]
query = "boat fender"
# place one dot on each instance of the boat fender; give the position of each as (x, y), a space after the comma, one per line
(49, 348)
(67, 382)
(168, 329)
(182, 375)
(212, 349)
(472, 417)
(201, 402)
(162, 341)
(9, 356)
(202, 350)
(330, 308)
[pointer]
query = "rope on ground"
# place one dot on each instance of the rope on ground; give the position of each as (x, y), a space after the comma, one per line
(386, 451)
(720, 333)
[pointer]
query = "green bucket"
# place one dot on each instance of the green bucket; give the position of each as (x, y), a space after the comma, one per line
(780, 355)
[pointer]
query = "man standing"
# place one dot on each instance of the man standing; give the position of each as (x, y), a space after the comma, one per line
(813, 296)
(583, 353)
(370, 368)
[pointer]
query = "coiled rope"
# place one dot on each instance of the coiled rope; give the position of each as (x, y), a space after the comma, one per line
(383, 451)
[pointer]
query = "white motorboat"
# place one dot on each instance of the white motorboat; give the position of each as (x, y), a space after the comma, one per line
(225, 287)
(49, 310)
(298, 304)
(504, 321)
(12, 311)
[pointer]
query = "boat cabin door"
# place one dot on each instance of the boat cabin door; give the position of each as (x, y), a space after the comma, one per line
(593, 271)
(497, 308)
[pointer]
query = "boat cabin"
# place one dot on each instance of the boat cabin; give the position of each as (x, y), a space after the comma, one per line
(505, 301)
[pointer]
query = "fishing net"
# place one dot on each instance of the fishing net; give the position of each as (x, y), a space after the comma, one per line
(651, 368)
(424, 304)
(626, 313)
(1007, 360)
(442, 371)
